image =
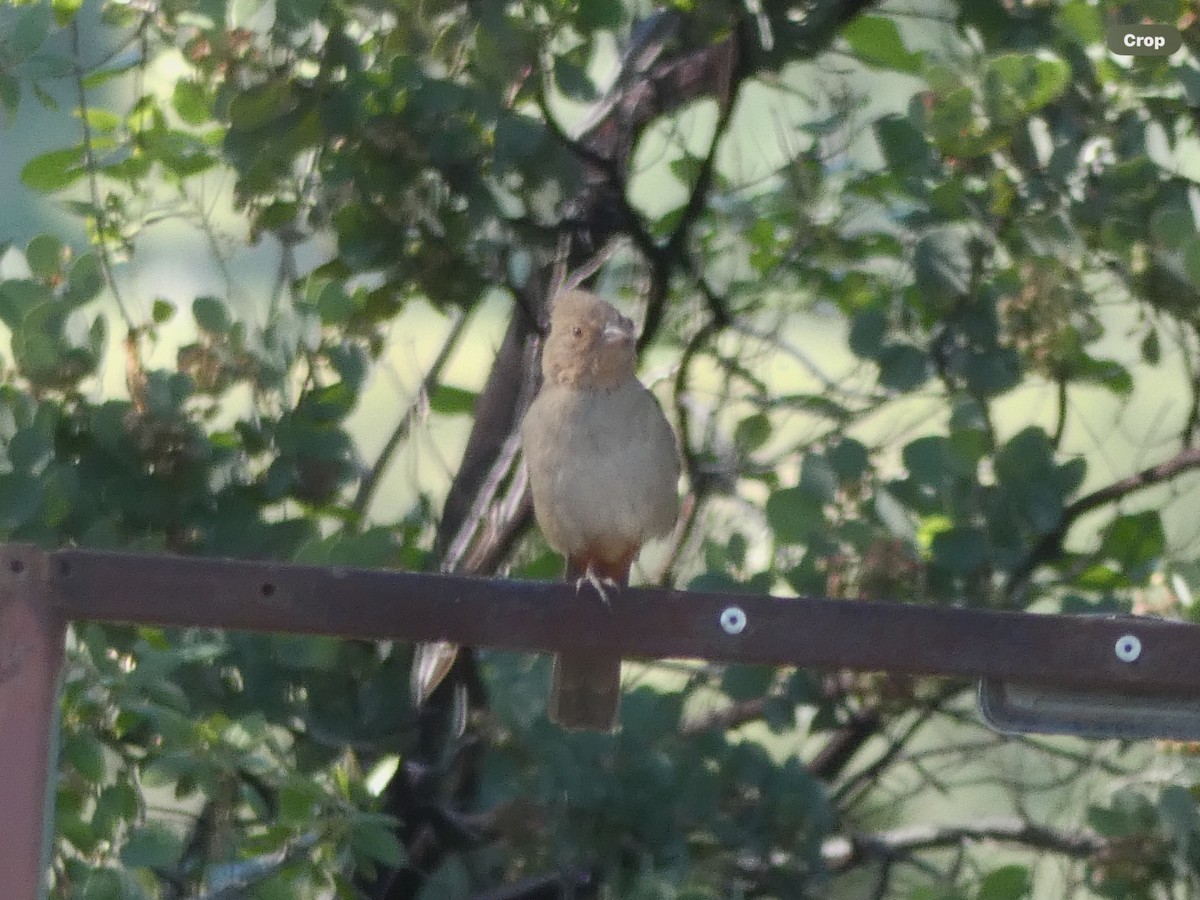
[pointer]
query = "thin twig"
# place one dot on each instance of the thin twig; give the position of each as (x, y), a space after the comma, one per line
(844, 853)
(896, 746)
(370, 484)
(89, 160)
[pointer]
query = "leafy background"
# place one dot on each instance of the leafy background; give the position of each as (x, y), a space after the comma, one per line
(918, 285)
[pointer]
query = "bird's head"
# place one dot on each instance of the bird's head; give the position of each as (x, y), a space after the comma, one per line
(590, 345)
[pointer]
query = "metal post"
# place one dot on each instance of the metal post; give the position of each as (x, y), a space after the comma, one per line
(31, 649)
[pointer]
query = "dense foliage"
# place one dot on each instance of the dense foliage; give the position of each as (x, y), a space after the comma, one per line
(985, 223)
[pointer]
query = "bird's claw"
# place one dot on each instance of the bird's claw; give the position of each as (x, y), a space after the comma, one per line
(597, 583)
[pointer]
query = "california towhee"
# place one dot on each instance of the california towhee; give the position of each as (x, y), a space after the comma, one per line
(604, 472)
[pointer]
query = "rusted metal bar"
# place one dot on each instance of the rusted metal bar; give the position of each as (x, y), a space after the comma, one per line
(40, 591)
(31, 647)
(1066, 651)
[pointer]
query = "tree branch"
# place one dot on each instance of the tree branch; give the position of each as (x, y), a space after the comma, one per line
(844, 853)
(1050, 546)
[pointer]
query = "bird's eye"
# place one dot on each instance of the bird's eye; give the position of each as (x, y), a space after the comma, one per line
(577, 331)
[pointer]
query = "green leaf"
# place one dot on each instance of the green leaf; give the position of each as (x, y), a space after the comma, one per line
(573, 80)
(1100, 577)
(103, 76)
(849, 459)
(260, 105)
(752, 432)
(20, 499)
(1191, 262)
(687, 169)
(517, 139)
(942, 265)
(875, 40)
(85, 281)
(903, 367)
(117, 803)
(955, 126)
(933, 461)
(326, 405)
(31, 29)
(794, 515)
(152, 846)
(53, 170)
(334, 305)
(1177, 808)
(30, 450)
(1081, 22)
(99, 884)
(866, 333)
(1151, 349)
(304, 653)
(1017, 84)
(10, 93)
(191, 101)
(992, 372)
(181, 153)
(452, 401)
(780, 715)
(65, 11)
(904, 148)
(162, 311)
(747, 682)
(40, 346)
(1130, 813)
(351, 363)
(102, 120)
(1173, 227)
(45, 255)
(299, 801)
(18, 297)
(1135, 542)
(1006, 883)
(817, 478)
(211, 315)
(596, 14)
(1026, 457)
(960, 550)
(85, 753)
(376, 840)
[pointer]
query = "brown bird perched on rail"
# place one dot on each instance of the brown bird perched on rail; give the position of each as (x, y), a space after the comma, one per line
(604, 471)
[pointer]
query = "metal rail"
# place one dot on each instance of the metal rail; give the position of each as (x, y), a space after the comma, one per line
(41, 591)
(1069, 651)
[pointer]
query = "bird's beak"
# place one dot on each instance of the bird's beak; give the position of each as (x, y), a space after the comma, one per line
(619, 331)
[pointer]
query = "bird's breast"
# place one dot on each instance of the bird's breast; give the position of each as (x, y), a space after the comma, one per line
(602, 466)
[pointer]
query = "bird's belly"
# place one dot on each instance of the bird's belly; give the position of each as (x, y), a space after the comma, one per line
(599, 502)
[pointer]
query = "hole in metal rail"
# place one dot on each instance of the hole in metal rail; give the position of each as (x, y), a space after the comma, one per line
(733, 620)
(267, 589)
(64, 567)
(16, 566)
(1128, 648)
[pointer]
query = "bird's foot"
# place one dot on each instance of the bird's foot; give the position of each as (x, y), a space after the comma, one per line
(597, 583)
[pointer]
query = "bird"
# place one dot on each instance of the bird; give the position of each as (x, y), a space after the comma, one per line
(603, 469)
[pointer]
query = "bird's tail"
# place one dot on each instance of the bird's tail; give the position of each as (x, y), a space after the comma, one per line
(585, 688)
(585, 692)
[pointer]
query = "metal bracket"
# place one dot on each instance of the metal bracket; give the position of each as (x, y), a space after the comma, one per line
(1014, 706)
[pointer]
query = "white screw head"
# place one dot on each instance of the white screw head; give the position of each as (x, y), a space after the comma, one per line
(733, 620)
(1128, 648)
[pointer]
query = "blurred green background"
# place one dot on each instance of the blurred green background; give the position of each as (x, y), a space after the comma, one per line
(916, 281)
